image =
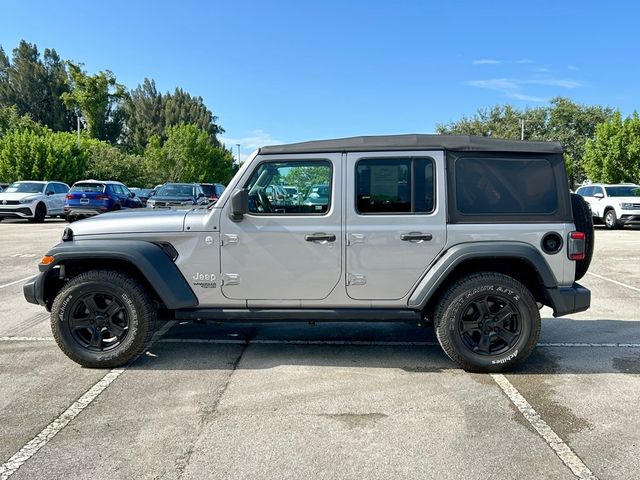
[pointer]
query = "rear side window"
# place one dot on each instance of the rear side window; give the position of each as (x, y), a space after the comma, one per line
(60, 188)
(394, 185)
(88, 187)
(505, 186)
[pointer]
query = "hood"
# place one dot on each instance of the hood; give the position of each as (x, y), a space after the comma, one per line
(131, 221)
(626, 199)
(171, 198)
(17, 196)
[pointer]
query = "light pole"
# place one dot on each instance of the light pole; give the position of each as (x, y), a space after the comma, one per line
(238, 145)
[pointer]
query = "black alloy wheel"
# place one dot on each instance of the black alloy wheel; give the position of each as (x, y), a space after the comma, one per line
(489, 324)
(98, 322)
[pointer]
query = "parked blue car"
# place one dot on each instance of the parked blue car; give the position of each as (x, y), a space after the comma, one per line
(92, 197)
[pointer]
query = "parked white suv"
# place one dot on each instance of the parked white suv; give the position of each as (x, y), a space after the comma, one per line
(33, 200)
(614, 205)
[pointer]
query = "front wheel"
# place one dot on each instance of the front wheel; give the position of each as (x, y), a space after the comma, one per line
(103, 319)
(611, 220)
(40, 213)
(487, 322)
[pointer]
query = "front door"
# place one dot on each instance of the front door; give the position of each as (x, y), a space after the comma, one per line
(287, 247)
(396, 221)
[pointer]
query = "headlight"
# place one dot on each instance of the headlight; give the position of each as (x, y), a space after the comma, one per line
(28, 200)
(626, 206)
(151, 203)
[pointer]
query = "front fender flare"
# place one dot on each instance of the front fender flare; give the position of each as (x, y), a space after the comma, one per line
(150, 259)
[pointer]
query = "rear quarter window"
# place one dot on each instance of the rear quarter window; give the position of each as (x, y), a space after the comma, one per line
(504, 186)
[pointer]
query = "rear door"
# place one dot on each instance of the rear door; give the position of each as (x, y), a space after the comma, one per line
(280, 250)
(396, 221)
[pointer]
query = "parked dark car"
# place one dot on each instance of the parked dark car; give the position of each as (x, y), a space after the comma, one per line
(212, 191)
(92, 197)
(143, 194)
(177, 195)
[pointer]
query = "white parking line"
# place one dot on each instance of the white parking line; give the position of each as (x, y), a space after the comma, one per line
(562, 450)
(339, 342)
(630, 287)
(16, 281)
(29, 450)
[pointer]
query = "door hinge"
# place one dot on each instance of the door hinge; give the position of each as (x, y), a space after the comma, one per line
(356, 279)
(229, 238)
(354, 238)
(230, 279)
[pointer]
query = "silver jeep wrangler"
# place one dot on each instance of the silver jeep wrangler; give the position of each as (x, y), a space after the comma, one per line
(470, 235)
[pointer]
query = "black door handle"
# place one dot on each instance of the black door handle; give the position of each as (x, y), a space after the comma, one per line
(415, 237)
(320, 237)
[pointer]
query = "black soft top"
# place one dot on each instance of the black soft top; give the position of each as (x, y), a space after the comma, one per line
(381, 143)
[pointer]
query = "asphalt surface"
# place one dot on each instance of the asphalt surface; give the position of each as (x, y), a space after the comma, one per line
(330, 401)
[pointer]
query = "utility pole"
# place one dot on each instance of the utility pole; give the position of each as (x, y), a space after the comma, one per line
(522, 129)
(238, 145)
(78, 119)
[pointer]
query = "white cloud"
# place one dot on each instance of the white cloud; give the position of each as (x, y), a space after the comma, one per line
(255, 139)
(486, 61)
(526, 98)
(541, 69)
(494, 84)
(514, 87)
(525, 60)
(572, 67)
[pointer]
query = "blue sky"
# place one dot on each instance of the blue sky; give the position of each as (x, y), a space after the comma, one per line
(286, 71)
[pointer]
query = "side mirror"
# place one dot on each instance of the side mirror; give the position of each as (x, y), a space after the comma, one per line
(201, 195)
(599, 195)
(239, 204)
(132, 194)
(49, 192)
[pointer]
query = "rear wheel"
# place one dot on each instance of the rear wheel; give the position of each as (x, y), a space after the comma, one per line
(487, 322)
(103, 319)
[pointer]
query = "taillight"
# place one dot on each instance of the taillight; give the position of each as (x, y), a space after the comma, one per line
(69, 196)
(576, 246)
(102, 197)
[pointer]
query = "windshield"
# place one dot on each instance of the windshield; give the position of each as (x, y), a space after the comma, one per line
(87, 187)
(175, 191)
(25, 187)
(623, 191)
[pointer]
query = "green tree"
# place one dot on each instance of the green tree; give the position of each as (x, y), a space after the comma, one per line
(613, 155)
(187, 155)
(97, 98)
(563, 120)
(11, 120)
(33, 155)
(35, 85)
(149, 113)
(144, 113)
(107, 162)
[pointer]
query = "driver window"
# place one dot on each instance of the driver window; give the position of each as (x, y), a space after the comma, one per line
(291, 188)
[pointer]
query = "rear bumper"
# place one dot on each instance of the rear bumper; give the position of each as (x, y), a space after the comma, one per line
(566, 300)
(83, 211)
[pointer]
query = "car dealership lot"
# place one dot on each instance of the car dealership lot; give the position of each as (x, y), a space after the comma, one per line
(328, 401)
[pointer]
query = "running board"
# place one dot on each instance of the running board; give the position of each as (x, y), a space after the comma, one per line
(299, 314)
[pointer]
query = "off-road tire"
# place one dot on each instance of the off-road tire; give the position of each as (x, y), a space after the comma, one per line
(460, 297)
(583, 221)
(40, 213)
(135, 302)
(611, 220)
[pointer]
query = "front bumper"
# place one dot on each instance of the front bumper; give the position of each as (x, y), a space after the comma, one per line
(16, 211)
(566, 300)
(630, 217)
(33, 289)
